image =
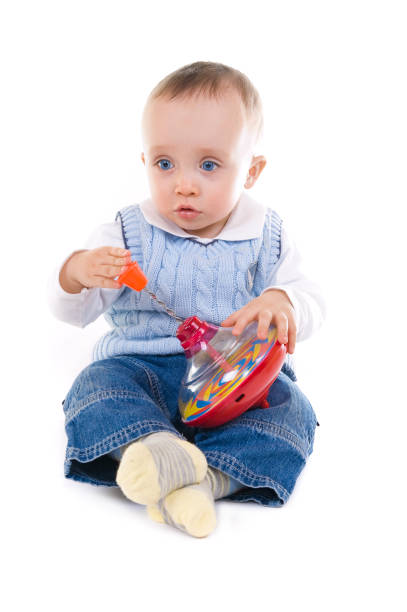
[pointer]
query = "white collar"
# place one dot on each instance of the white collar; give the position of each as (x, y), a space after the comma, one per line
(245, 222)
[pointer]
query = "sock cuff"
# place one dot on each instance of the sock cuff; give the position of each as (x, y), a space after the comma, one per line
(222, 485)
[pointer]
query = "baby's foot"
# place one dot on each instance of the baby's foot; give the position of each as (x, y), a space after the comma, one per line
(192, 508)
(157, 464)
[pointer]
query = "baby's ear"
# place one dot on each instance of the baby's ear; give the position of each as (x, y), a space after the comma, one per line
(143, 159)
(256, 167)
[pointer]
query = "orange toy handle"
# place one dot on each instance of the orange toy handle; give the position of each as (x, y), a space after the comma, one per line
(133, 277)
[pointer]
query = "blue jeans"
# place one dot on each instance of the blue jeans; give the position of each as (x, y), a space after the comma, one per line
(117, 400)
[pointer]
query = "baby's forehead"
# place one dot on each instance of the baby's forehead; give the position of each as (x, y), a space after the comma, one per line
(195, 118)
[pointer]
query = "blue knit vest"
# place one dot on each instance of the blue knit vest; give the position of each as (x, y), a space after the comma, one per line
(207, 280)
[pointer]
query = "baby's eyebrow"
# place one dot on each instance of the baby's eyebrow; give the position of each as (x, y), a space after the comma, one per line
(201, 150)
(215, 152)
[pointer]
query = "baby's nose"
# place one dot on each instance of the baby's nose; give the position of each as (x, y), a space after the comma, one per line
(185, 185)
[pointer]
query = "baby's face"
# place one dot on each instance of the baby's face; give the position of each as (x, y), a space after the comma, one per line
(197, 153)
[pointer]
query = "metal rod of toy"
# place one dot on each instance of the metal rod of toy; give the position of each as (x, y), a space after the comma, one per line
(218, 358)
(167, 310)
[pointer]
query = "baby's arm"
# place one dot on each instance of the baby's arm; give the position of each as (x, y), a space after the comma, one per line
(72, 302)
(93, 268)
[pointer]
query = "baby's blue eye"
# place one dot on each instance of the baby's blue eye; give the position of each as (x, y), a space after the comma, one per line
(209, 165)
(165, 164)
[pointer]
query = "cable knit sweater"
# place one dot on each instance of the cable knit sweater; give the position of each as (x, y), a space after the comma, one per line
(208, 280)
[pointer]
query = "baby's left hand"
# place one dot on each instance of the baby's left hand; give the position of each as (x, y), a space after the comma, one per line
(272, 307)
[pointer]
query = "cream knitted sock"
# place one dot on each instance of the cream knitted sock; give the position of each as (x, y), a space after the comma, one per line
(192, 508)
(157, 464)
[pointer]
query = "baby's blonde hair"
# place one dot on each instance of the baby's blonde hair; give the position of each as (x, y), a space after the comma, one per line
(212, 78)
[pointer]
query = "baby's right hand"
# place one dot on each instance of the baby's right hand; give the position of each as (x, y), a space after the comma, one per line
(93, 268)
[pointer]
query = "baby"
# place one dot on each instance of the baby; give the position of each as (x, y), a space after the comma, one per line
(210, 250)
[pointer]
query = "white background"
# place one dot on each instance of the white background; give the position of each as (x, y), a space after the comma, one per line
(332, 75)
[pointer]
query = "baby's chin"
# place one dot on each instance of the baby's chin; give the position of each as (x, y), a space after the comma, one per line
(205, 231)
(202, 232)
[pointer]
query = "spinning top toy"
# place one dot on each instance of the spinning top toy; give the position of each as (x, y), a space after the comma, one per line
(226, 374)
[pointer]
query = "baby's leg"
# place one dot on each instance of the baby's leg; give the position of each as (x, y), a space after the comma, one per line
(192, 508)
(264, 448)
(157, 464)
(116, 402)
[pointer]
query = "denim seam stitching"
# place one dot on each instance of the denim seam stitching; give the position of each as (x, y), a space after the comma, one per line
(278, 431)
(154, 385)
(97, 396)
(243, 470)
(155, 388)
(119, 437)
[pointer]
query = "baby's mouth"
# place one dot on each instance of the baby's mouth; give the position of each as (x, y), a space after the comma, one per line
(187, 212)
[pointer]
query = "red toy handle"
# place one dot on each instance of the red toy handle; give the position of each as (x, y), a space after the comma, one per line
(133, 277)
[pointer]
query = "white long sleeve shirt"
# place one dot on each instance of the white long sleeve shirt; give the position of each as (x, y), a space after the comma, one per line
(245, 222)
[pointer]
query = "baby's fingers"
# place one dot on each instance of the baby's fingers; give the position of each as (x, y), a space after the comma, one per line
(231, 320)
(264, 318)
(237, 321)
(292, 338)
(117, 257)
(242, 321)
(106, 283)
(286, 331)
(281, 322)
(110, 271)
(118, 252)
(103, 260)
